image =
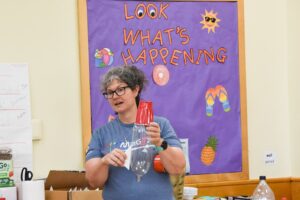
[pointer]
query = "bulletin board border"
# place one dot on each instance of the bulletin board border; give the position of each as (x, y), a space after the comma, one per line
(86, 100)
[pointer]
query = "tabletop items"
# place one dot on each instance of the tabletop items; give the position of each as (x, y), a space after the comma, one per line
(6, 167)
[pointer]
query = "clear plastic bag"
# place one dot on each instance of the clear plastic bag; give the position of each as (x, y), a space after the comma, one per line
(142, 151)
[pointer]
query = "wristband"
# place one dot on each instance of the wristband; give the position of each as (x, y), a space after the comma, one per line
(162, 147)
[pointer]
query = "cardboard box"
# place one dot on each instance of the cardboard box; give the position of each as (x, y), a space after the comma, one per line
(63, 181)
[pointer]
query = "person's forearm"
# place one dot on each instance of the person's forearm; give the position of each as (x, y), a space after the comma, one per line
(173, 160)
(96, 172)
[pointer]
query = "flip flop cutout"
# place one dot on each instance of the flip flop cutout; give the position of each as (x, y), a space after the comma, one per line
(160, 75)
(223, 97)
(210, 101)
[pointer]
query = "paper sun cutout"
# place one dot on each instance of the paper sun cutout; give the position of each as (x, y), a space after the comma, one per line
(210, 21)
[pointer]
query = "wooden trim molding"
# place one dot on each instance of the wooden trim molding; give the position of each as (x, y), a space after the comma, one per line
(282, 187)
(295, 188)
(84, 76)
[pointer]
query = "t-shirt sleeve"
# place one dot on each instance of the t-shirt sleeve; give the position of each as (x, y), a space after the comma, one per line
(94, 148)
(168, 133)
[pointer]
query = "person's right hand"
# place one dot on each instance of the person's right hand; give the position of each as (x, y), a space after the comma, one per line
(116, 158)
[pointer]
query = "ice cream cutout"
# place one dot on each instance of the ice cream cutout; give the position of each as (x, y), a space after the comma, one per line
(161, 75)
(103, 57)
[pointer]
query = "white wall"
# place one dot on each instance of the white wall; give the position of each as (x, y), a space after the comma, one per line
(294, 81)
(44, 34)
(267, 87)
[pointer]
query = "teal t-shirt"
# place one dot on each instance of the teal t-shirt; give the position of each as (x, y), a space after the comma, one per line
(122, 183)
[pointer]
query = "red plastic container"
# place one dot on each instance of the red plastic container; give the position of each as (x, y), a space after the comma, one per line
(144, 113)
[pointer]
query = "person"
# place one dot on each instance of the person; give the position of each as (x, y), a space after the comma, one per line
(122, 87)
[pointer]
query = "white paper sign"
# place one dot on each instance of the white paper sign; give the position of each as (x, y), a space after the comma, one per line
(15, 115)
(269, 158)
(185, 147)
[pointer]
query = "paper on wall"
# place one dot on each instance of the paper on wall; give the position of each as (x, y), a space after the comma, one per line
(15, 115)
(185, 147)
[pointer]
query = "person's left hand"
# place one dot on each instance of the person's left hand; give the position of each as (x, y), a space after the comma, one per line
(153, 132)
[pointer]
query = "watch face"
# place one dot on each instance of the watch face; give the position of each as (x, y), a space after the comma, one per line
(164, 145)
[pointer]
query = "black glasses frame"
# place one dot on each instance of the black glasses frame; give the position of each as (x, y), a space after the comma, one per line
(119, 92)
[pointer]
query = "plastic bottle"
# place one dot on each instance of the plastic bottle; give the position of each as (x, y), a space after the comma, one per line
(263, 191)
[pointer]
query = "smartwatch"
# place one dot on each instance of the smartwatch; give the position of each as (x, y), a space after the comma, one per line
(162, 147)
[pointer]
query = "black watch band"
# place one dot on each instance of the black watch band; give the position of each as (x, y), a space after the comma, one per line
(162, 147)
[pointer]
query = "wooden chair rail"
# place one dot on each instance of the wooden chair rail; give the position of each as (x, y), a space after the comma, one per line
(288, 187)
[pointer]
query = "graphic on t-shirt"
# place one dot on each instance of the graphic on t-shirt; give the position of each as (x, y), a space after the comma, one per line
(110, 118)
(208, 152)
(210, 21)
(123, 145)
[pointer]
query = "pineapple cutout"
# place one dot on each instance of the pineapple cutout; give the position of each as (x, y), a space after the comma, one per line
(208, 152)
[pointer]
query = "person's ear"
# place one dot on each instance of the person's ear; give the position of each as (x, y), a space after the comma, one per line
(136, 90)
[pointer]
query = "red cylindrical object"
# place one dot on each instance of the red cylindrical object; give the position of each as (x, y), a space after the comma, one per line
(144, 113)
(157, 164)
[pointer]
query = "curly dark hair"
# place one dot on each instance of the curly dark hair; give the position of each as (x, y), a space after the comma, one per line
(130, 75)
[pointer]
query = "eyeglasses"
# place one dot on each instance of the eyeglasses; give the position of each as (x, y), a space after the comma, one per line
(119, 91)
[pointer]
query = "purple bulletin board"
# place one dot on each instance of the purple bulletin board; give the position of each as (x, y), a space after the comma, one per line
(190, 54)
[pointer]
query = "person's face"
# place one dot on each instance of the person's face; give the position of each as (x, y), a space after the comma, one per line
(123, 97)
